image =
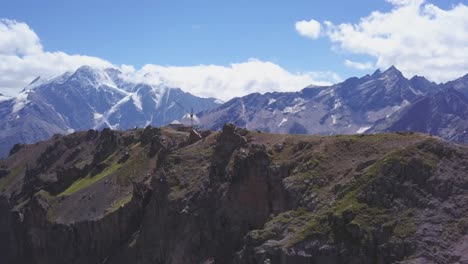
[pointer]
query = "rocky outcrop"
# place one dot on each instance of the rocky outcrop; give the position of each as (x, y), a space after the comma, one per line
(43, 241)
(232, 191)
(164, 196)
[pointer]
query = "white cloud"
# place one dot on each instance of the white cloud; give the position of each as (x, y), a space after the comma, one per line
(23, 58)
(225, 82)
(417, 37)
(405, 2)
(18, 38)
(363, 66)
(310, 29)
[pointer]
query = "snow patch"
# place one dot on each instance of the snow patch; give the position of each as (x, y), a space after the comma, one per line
(217, 101)
(398, 107)
(271, 101)
(415, 91)
(283, 121)
(39, 81)
(118, 104)
(93, 77)
(4, 98)
(338, 104)
(158, 93)
(20, 101)
(98, 117)
(298, 107)
(170, 106)
(327, 91)
(70, 130)
(137, 102)
(293, 109)
(394, 109)
(333, 119)
(243, 113)
(362, 130)
(104, 79)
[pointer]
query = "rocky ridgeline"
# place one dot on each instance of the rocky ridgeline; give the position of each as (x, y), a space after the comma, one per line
(167, 196)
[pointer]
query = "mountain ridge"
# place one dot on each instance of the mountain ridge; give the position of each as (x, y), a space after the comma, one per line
(93, 99)
(236, 196)
(89, 98)
(352, 106)
(345, 107)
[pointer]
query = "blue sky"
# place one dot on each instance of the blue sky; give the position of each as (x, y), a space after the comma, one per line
(190, 33)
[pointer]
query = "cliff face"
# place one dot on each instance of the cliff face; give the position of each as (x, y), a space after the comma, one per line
(167, 196)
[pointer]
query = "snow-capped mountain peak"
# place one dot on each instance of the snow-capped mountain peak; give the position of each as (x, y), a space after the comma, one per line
(93, 77)
(89, 98)
(4, 97)
(348, 107)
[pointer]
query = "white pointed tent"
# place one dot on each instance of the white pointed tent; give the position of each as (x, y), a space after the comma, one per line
(190, 120)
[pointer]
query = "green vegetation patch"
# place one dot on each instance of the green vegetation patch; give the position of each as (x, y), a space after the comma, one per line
(409, 164)
(136, 145)
(137, 165)
(295, 226)
(455, 229)
(51, 200)
(308, 174)
(315, 227)
(90, 180)
(7, 180)
(188, 170)
(404, 228)
(348, 203)
(352, 218)
(44, 194)
(121, 203)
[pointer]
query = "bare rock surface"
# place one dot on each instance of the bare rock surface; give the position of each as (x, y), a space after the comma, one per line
(161, 195)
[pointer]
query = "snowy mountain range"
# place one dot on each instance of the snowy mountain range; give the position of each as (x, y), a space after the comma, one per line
(93, 99)
(444, 114)
(381, 102)
(352, 106)
(89, 98)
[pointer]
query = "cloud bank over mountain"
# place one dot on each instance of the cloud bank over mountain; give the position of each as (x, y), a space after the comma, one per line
(413, 36)
(23, 58)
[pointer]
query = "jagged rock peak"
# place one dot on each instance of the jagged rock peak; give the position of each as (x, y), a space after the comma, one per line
(392, 70)
(35, 80)
(231, 138)
(377, 72)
